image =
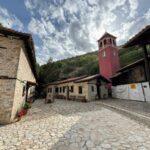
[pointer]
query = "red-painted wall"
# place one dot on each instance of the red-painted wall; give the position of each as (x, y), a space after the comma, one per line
(109, 64)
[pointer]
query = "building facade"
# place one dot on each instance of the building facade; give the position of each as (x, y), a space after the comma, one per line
(80, 89)
(17, 72)
(132, 73)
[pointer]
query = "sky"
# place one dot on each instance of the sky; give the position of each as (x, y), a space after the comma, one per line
(66, 28)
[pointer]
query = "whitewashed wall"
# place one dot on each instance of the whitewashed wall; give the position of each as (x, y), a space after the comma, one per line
(136, 91)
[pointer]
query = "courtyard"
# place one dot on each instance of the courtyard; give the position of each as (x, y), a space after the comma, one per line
(69, 125)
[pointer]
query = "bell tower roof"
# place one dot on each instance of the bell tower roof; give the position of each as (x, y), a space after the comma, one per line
(107, 40)
(106, 34)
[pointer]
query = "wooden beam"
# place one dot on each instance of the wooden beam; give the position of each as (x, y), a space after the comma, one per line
(147, 68)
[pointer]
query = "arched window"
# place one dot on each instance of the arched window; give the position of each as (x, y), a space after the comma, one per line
(104, 54)
(110, 42)
(105, 42)
(100, 44)
(114, 42)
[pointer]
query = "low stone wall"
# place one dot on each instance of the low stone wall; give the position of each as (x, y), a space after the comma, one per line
(7, 88)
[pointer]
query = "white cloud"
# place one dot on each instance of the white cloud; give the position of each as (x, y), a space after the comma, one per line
(147, 15)
(9, 20)
(37, 28)
(68, 28)
(133, 7)
(42, 28)
(124, 32)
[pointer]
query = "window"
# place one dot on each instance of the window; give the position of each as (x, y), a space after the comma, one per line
(114, 42)
(92, 88)
(72, 89)
(104, 53)
(63, 89)
(105, 42)
(56, 89)
(60, 89)
(80, 89)
(100, 44)
(110, 41)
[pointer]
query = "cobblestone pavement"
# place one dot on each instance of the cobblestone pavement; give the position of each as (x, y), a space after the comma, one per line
(67, 125)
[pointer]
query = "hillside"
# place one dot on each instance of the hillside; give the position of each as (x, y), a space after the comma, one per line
(86, 64)
(80, 65)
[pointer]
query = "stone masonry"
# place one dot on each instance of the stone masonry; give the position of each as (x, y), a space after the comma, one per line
(6, 99)
(14, 63)
(70, 125)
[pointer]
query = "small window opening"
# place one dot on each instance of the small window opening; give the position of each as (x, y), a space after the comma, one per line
(72, 89)
(80, 89)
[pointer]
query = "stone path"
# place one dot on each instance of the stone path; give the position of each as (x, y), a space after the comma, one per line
(74, 126)
(130, 105)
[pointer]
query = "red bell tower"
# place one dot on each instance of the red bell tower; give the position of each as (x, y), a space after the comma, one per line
(108, 55)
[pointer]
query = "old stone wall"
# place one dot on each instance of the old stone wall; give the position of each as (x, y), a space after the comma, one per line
(9, 56)
(24, 73)
(6, 99)
(14, 63)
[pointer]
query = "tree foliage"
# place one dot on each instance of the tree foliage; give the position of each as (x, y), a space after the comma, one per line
(81, 65)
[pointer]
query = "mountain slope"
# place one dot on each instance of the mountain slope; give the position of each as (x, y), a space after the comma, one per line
(86, 64)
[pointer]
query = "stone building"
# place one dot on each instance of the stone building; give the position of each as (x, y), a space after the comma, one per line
(132, 73)
(85, 88)
(96, 86)
(17, 72)
(109, 68)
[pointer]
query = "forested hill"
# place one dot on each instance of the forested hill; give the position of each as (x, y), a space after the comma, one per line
(80, 65)
(86, 64)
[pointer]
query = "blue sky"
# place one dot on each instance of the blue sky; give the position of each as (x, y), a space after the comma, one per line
(66, 28)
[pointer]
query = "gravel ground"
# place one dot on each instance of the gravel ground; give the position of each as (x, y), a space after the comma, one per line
(68, 125)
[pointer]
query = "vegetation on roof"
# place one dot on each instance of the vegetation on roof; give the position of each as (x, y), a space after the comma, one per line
(130, 55)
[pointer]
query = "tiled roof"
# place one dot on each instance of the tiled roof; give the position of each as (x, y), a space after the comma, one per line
(119, 72)
(73, 79)
(89, 78)
(144, 34)
(80, 79)
(106, 34)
